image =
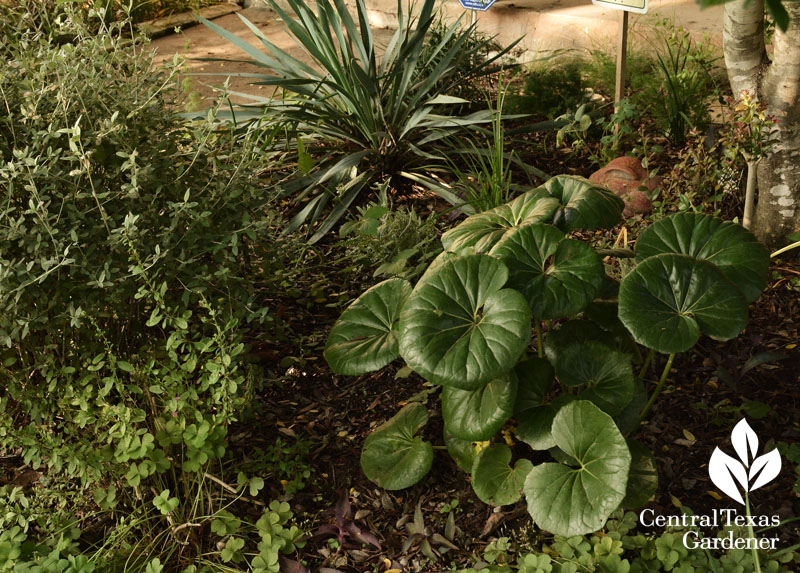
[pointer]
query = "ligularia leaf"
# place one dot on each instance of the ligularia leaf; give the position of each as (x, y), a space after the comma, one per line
(743, 438)
(722, 468)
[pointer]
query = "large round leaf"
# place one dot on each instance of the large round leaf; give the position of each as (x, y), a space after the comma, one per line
(479, 414)
(571, 333)
(574, 501)
(630, 419)
(643, 476)
(607, 375)
(534, 427)
(462, 451)
(482, 231)
(558, 276)
(364, 338)
(392, 456)
(731, 247)
(534, 380)
(460, 328)
(583, 205)
(495, 482)
(668, 300)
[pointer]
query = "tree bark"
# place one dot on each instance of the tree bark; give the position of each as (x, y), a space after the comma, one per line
(777, 85)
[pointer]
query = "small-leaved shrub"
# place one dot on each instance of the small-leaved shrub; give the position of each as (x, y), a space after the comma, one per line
(126, 245)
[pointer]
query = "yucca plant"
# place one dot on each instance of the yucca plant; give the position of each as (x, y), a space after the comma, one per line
(364, 117)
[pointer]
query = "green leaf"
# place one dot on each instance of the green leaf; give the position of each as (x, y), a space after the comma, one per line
(482, 231)
(364, 338)
(606, 374)
(462, 451)
(668, 300)
(643, 477)
(534, 427)
(479, 414)
(535, 379)
(164, 503)
(559, 277)
(460, 327)
(256, 484)
(582, 204)
(575, 501)
(731, 247)
(495, 482)
(392, 456)
(305, 163)
(779, 13)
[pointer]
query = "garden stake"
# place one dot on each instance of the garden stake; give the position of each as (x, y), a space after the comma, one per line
(658, 388)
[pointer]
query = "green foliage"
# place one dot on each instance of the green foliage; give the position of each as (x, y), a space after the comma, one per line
(686, 70)
(371, 117)
(620, 549)
(125, 278)
(615, 131)
(464, 83)
(551, 88)
(483, 173)
(466, 326)
(384, 242)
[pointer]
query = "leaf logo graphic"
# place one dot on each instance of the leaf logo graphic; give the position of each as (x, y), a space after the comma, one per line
(749, 472)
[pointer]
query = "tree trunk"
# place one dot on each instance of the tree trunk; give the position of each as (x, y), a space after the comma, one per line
(777, 84)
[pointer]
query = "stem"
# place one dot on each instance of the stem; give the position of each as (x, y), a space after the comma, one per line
(750, 194)
(646, 363)
(657, 391)
(750, 533)
(539, 346)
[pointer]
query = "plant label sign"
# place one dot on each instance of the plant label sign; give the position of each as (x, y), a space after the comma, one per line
(480, 5)
(638, 6)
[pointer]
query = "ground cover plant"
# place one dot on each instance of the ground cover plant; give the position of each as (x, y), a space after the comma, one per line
(124, 273)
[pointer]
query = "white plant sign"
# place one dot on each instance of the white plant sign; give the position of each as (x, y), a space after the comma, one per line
(750, 471)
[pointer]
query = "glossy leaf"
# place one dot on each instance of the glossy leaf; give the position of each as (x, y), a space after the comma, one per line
(643, 476)
(460, 327)
(495, 482)
(606, 375)
(582, 204)
(534, 427)
(731, 247)
(668, 300)
(479, 414)
(482, 231)
(392, 456)
(535, 379)
(574, 501)
(364, 338)
(462, 451)
(559, 277)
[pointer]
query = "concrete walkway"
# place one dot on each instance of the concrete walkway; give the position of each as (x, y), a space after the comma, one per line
(546, 25)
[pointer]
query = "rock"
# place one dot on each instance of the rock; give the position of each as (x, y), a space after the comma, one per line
(624, 176)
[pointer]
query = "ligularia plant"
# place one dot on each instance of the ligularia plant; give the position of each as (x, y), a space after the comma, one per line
(517, 321)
